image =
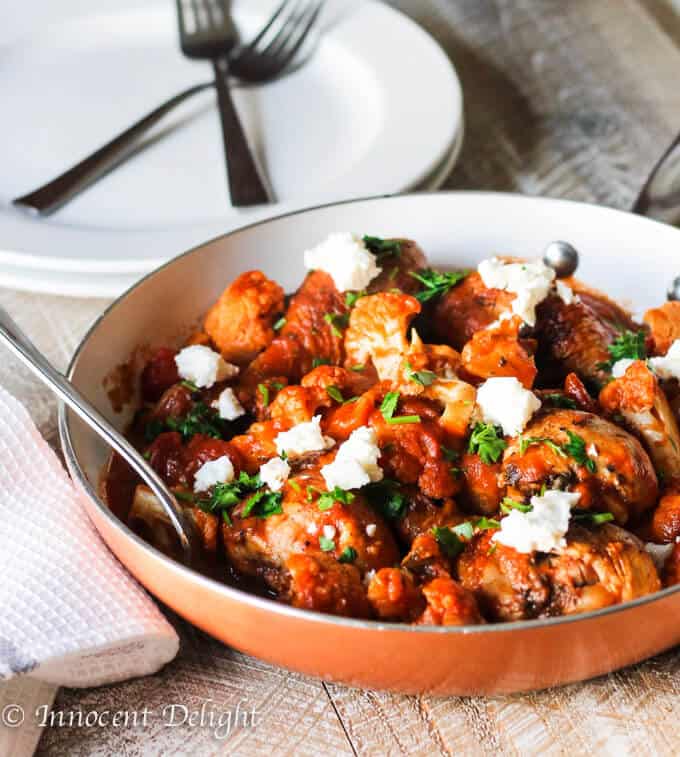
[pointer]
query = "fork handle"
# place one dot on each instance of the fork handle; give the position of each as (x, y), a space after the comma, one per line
(51, 196)
(245, 183)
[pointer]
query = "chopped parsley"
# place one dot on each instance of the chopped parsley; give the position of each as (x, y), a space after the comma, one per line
(400, 420)
(263, 389)
(465, 530)
(153, 429)
(263, 504)
(487, 441)
(348, 555)
(508, 504)
(280, 323)
(358, 368)
(190, 386)
(352, 297)
(336, 321)
(294, 485)
(424, 378)
(436, 283)
(452, 455)
(559, 400)
(485, 524)
(576, 448)
(389, 405)
(225, 496)
(597, 519)
(328, 499)
(320, 361)
(334, 393)
(381, 248)
(449, 541)
(629, 345)
(385, 497)
(527, 441)
(201, 419)
(184, 497)
(327, 545)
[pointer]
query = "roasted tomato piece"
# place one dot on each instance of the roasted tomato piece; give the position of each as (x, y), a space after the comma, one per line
(159, 374)
(166, 457)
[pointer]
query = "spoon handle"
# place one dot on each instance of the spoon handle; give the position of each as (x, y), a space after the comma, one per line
(15, 339)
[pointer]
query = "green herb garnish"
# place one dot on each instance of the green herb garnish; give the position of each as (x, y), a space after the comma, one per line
(383, 247)
(449, 541)
(527, 441)
(328, 499)
(597, 519)
(487, 441)
(389, 405)
(485, 524)
(334, 393)
(280, 323)
(201, 419)
(352, 297)
(358, 368)
(424, 378)
(263, 389)
(225, 496)
(576, 448)
(629, 345)
(559, 400)
(263, 504)
(348, 555)
(436, 283)
(327, 545)
(400, 420)
(385, 497)
(320, 361)
(190, 386)
(336, 321)
(508, 504)
(464, 530)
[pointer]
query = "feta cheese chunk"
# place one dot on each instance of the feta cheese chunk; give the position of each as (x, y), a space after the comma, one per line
(565, 293)
(667, 367)
(504, 402)
(542, 529)
(274, 473)
(530, 282)
(346, 259)
(356, 463)
(659, 553)
(219, 471)
(621, 366)
(227, 405)
(203, 366)
(305, 437)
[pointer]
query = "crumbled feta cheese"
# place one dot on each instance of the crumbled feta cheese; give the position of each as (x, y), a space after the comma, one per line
(667, 367)
(542, 529)
(305, 437)
(203, 366)
(312, 529)
(659, 553)
(370, 575)
(274, 473)
(530, 282)
(329, 532)
(227, 405)
(356, 463)
(371, 528)
(346, 258)
(621, 366)
(565, 293)
(504, 402)
(219, 471)
(591, 449)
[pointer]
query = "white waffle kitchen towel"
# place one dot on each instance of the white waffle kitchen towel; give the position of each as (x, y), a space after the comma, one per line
(69, 612)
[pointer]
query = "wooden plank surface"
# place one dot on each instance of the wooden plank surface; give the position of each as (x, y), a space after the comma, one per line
(569, 98)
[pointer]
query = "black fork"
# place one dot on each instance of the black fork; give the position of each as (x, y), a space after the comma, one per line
(207, 31)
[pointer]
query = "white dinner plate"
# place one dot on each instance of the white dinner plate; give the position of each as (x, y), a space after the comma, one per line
(355, 120)
(108, 285)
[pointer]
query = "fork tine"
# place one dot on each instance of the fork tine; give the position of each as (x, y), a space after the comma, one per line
(285, 56)
(251, 45)
(288, 27)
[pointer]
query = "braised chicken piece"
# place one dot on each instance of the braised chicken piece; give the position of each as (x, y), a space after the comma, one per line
(481, 490)
(597, 568)
(419, 514)
(665, 524)
(584, 453)
(638, 397)
(241, 322)
(574, 337)
(468, 308)
(671, 568)
(262, 546)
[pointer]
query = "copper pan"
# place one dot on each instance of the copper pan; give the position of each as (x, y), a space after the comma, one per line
(457, 228)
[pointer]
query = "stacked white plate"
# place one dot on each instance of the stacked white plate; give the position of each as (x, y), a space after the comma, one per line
(376, 109)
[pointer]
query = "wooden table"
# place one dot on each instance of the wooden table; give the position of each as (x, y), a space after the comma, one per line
(569, 98)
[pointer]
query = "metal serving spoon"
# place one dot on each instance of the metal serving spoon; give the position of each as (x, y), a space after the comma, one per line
(14, 338)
